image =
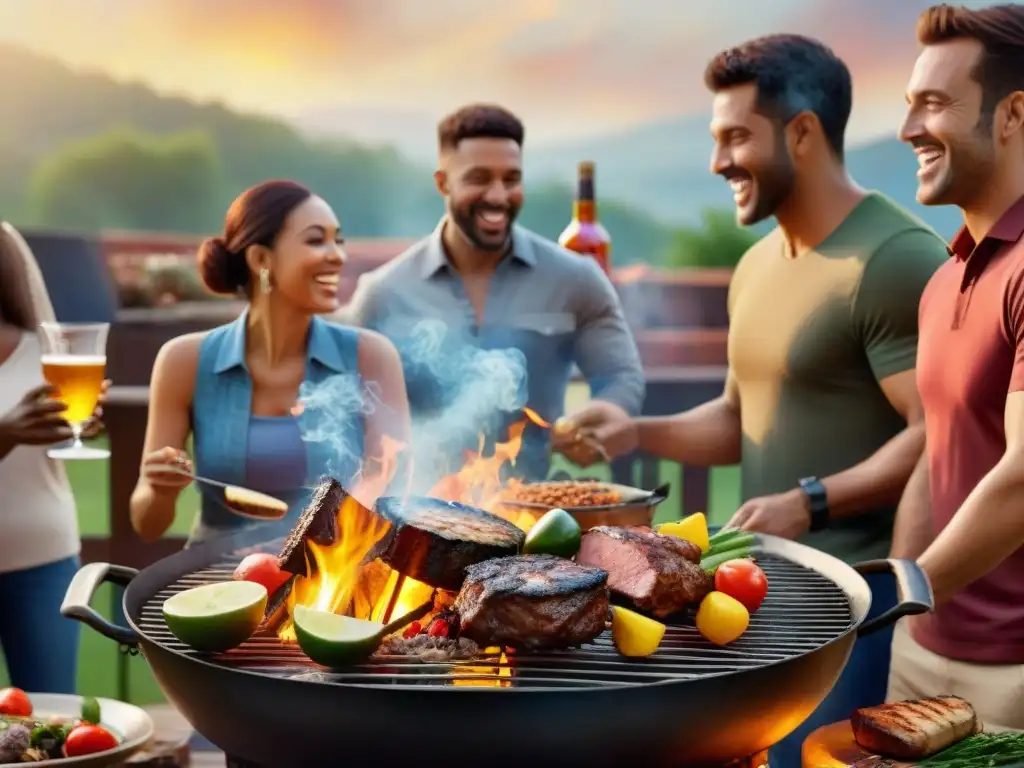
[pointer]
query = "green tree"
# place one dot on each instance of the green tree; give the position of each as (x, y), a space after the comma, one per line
(125, 179)
(718, 242)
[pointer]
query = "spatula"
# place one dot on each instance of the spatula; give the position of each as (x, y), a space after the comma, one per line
(243, 501)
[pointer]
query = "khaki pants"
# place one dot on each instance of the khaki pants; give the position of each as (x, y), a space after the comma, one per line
(995, 690)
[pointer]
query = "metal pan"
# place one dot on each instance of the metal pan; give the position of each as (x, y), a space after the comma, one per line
(636, 508)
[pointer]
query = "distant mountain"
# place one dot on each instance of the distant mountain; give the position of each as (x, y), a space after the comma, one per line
(662, 168)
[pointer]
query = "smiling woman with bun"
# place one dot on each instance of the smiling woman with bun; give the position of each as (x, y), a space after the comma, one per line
(234, 389)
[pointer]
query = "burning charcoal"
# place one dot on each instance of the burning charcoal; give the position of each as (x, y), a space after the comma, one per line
(428, 648)
(434, 541)
(533, 601)
(277, 606)
(318, 523)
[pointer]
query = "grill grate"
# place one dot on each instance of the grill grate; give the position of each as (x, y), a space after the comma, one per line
(803, 611)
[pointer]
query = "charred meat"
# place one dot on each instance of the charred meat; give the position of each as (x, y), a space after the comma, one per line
(659, 574)
(532, 601)
(913, 730)
(318, 523)
(434, 541)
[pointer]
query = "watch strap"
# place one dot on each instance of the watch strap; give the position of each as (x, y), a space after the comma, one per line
(818, 497)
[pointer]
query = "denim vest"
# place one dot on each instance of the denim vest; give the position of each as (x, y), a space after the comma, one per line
(331, 422)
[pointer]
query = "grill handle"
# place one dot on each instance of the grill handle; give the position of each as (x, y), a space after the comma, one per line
(912, 588)
(78, 600)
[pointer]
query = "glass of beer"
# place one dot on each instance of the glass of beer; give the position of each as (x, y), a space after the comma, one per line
(74, 363)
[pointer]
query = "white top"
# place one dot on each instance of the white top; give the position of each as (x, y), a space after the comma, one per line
(38, 520)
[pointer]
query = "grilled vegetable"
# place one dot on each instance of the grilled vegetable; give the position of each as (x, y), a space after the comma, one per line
(262, 568)
(743, 580)
(734, 547)
(216, 617)
(693, 528)
(556, 533)
(13, 701)
(721, 619)
(50, 737)
(88, 740)
(634, 634)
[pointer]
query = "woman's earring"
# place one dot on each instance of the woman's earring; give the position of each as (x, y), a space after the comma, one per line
(265, 280)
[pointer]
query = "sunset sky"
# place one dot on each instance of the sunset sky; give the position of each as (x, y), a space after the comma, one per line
(569, 67)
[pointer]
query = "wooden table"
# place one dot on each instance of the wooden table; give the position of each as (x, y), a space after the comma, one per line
(833, 746)
(174, 744)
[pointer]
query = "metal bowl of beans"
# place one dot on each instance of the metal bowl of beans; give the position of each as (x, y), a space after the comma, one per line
(590, 502)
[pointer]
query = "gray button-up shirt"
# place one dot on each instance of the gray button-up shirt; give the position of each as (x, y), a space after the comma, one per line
(547, 309)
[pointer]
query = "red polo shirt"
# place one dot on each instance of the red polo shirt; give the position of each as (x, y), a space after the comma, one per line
(970, 356)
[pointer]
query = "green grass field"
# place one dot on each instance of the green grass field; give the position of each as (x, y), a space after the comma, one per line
(99, 658)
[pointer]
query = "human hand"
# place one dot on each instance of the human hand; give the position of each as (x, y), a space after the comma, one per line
(36, 420)
(598, 432)
(787, 515)
(94, 425)
(167, 469)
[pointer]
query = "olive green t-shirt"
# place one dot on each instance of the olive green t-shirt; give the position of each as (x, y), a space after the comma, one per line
(810, 338)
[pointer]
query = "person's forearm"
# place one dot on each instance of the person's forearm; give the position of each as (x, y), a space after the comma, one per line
(708, 435)
(879, 480)
(986, 530)
(913, 531)
(152, 511)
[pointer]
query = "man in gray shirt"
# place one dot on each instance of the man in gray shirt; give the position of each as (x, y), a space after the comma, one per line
(490, 317)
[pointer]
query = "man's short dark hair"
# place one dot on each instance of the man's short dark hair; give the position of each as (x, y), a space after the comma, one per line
(999, 29)
(793, 74)
(479, 121)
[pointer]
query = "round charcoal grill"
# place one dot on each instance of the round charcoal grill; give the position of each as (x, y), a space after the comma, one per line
(691, 703)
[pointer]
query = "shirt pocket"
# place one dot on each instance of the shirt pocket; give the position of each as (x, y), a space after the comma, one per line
(546, 323)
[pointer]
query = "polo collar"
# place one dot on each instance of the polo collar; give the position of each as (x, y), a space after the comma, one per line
(1008, 229)
(320, 346)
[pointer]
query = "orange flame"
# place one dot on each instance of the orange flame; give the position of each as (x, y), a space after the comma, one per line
(535, 417)
(341, 577)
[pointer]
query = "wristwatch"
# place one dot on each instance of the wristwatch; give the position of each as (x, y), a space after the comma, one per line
(815, 491)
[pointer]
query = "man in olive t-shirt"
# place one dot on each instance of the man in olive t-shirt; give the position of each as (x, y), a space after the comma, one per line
(810, 340)
(820, 407)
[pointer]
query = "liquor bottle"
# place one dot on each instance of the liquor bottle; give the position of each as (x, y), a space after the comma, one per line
(585, 235)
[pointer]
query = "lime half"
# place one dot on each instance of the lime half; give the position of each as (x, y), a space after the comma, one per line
(216, 617)
(556, 533)
(333, 640)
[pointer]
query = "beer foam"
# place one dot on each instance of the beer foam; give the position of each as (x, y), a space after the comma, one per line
(90, 360)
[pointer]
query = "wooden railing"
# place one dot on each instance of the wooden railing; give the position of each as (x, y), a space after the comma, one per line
(669, 390)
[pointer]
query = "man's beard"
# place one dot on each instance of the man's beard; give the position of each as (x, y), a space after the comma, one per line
(769, 187)
(968, 168)
(465, 220)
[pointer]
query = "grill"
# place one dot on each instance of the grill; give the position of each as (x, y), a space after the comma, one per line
(689, 704)
(803, 611)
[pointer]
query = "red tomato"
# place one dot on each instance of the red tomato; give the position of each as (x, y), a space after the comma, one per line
(261, 568)
(13, 701)
(88, 740)
(743, 581)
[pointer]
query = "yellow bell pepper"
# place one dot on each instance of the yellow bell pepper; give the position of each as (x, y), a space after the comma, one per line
(721, 619)
(693, 528)
(634, 634)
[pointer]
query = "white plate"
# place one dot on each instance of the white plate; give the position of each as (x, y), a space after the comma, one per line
(132, 727)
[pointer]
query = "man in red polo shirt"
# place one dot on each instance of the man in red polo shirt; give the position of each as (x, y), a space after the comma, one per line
(962, 515)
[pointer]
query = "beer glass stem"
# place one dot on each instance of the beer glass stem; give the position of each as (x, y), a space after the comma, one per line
(76, 433)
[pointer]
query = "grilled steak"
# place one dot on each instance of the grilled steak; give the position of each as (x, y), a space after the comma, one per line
(914, 730)
(659, 574)
(532, 601)
(434, 541)
(318, 522)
